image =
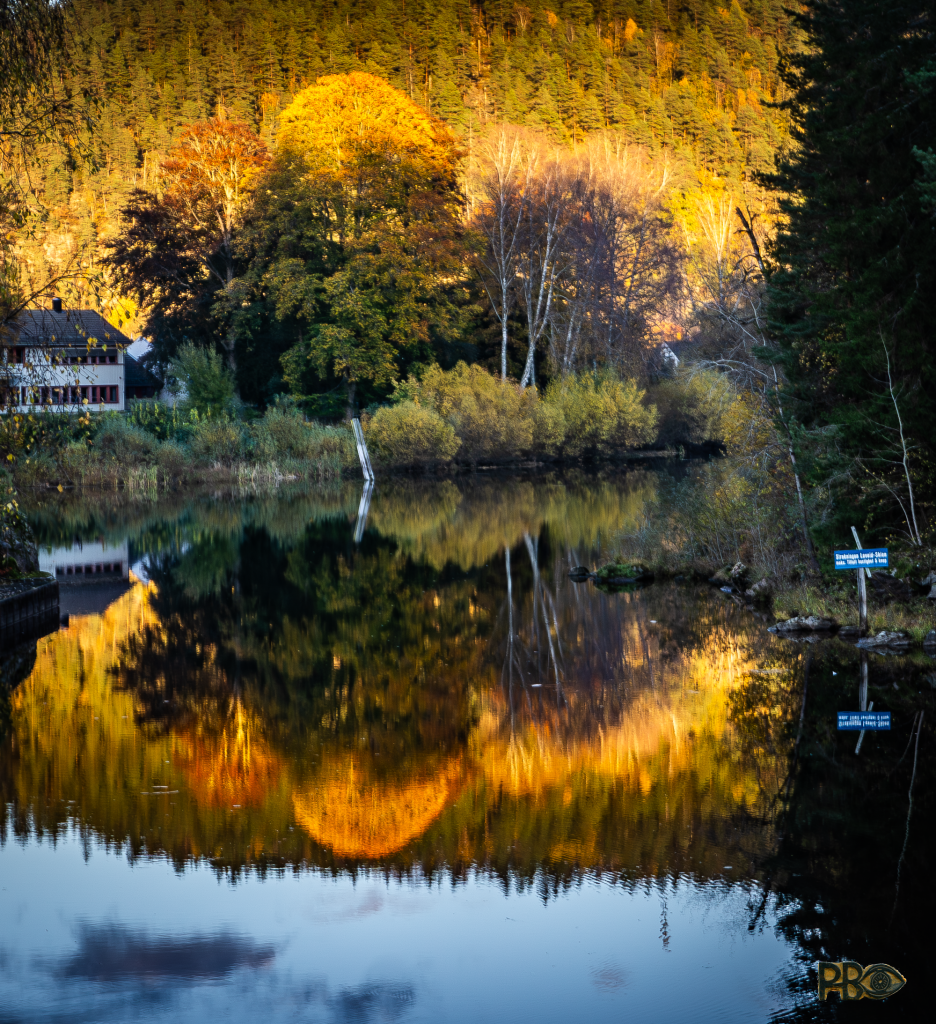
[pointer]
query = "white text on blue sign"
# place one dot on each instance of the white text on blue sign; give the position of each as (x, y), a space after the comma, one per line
(863, 558)
(863, 720)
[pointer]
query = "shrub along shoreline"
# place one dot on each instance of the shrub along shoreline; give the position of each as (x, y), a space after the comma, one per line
(155, 445)
(443, 421)
(468, 414)
(706, 528)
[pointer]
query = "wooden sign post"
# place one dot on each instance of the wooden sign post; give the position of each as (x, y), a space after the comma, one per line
(863, 560)
(862, 592)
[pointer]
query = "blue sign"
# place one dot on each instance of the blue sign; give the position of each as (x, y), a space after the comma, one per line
(863, 558)
(856, 721)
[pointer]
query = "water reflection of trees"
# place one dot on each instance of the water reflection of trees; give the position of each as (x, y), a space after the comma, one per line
(441, 697)
(437, 694)
(851, 867)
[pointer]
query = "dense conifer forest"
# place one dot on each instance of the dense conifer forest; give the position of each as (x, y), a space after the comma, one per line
(693, 76)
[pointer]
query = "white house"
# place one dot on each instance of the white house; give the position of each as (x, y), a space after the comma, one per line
(65, 359)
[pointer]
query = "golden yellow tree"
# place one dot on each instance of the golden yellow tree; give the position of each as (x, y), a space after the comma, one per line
(344, 119)
(379, 176)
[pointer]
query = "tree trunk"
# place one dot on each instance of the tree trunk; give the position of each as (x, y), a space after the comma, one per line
(504, 344)
(228, 344)
(352, 399)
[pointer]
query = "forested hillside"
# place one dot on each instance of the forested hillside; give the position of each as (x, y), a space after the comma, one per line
(693, 76)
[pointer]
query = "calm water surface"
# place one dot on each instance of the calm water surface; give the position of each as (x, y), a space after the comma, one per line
(284, 764)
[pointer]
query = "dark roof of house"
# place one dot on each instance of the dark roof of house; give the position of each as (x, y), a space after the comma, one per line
(70, 327)
(89, 598)
(136, 374)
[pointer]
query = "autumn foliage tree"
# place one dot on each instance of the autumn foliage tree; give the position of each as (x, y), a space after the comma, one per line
(36, 110)
(358, 227)
(580, 241)
(205, 182)
(175, 255)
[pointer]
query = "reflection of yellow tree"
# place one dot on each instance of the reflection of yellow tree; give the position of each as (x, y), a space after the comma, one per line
(665, 776)
(80, 754)
(468, 527)
(358, 812)
(376, 721)
(230, 766)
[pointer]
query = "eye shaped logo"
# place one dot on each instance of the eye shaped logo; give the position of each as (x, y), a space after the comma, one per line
(879, 981)
(852, 981)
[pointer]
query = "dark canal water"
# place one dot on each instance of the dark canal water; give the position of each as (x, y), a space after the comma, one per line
(272, 772)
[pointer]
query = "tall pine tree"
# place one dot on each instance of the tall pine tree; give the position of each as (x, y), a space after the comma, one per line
(853, 283)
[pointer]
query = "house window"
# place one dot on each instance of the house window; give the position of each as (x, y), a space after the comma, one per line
(114, 395)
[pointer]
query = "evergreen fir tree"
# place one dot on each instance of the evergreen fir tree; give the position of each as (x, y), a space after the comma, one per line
(854, 284)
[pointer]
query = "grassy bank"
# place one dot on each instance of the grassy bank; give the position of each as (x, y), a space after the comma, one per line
(444, 420)
(156, 446)
(830, 599)
(728, 512)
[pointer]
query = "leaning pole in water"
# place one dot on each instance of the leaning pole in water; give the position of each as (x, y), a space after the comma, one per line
(362, 451)
(368, 470)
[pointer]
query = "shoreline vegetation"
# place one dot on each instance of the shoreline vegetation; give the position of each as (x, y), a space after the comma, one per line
(901, 612)
(443, 422)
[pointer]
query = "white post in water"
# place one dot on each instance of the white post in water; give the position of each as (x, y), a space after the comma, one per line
(862, 593)
(362, 450)
(362, 511)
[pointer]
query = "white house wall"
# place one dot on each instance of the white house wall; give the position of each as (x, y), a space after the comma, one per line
(74, 376)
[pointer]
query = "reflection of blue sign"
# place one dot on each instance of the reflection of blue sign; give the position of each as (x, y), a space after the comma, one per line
(858, 720)
(863, 558)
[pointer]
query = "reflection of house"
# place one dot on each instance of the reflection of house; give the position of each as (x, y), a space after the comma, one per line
(65, 359)
(91, 575)
(80, 562)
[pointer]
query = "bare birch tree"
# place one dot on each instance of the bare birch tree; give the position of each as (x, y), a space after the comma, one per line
(579, 239)
(622, 270)
(542, 253)
(507, 163)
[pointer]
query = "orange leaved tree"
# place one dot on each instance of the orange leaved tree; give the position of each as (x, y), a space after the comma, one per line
(175, 255)
(206, 180)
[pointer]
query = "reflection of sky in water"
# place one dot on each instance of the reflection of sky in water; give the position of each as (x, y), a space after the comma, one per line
(94, 939)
